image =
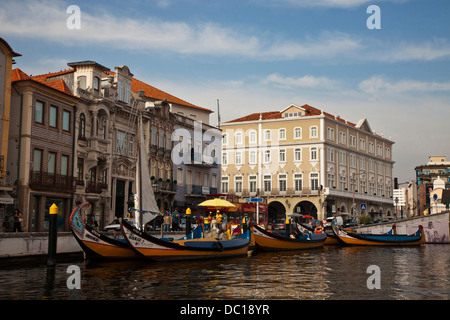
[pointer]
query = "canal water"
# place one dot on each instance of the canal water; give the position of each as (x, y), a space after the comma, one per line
(330, 273)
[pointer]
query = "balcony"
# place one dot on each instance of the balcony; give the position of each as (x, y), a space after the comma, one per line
(95, 187)
(45, 181)
(197, 190)
(164, 186)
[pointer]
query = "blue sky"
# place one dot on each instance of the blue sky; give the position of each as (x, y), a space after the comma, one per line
(257, 56)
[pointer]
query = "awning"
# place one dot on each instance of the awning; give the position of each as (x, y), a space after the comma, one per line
(6, 198)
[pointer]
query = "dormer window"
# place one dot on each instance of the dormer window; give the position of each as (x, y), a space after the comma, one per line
(124, 91)
(82, 82)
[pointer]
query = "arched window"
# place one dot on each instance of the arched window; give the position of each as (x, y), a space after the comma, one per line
(82, 133)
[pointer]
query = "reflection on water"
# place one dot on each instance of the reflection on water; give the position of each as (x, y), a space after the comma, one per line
(329, 273)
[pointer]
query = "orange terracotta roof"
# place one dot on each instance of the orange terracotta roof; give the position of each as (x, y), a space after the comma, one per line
(44, 77)
(310, 111)
(18, 75)
(60, 85)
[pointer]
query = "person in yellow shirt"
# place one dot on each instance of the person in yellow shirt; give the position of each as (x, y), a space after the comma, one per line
(207, 222)
(219, 220)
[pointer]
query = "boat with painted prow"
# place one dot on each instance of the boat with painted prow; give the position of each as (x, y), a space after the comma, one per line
(149, 247)
(387, 239)
(277, 241)
(95, 244)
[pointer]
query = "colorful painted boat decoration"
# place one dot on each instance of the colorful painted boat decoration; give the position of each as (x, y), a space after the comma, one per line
(149, 247)
(277, 241)
(95, 244)
(387, 239)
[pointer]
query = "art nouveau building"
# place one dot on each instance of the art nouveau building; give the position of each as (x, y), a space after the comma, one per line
(307, 161)
(89, 124)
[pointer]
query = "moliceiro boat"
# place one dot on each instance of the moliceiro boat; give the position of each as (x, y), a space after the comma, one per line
(388, 239)
(277, 241)
(95, 244)
(149, 247)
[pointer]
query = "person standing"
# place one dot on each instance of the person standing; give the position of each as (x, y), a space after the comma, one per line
(167, 222)
(175, 221)
(17, 219)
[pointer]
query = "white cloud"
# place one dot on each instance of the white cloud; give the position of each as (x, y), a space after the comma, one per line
(331, 3)
(307, 81)
(378, 85)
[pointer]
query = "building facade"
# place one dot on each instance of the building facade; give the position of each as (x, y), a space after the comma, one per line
(75, 140)
(437, 168)
(196, 155)
(7, 56)
(307, 161)
(41, 149)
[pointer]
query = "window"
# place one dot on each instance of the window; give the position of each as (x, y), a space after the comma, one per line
(282, 181)
(298, 154)
(64, 165)
(313, 132)
(80, 169)
(298, 182)
(343, 182)
(388, 153)
(224, 184)
(380, 188)
(282, 155)
(53, 121)
(313, 153)
(224, 158)
(314, 180)
(127, 93)
(267, 156)
(51, 164)
(362, 184)
(331, 180)
(39, 112)
(252, 157)
(362, 144)
(252, 183)
(297, 133)
(353, 141)
(96, 83)
(371, 147)
(282, 134)
(153, 136)
(120, 90)
(238, 138)
(353, 161)
(225, 139)
(238, 157)
(121, 142)
(82, 82)
(82, 132)
(330, 133)
(342, 137)
(267, 183)
(66, 120)
(342, 158)
(330, 154)
(104, 129)
(180, 176)
(252, 137)
(131, 151)
(266, 135)
(238, 184)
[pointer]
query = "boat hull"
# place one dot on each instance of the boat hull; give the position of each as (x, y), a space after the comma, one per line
(379, 239)
(269, 241)
(97, 245)
(149, 247)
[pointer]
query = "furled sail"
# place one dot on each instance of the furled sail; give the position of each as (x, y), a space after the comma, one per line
(145, 202)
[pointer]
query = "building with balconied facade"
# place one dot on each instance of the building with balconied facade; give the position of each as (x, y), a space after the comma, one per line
(306, 161)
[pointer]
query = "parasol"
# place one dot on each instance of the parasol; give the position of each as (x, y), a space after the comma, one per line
(217, 203)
